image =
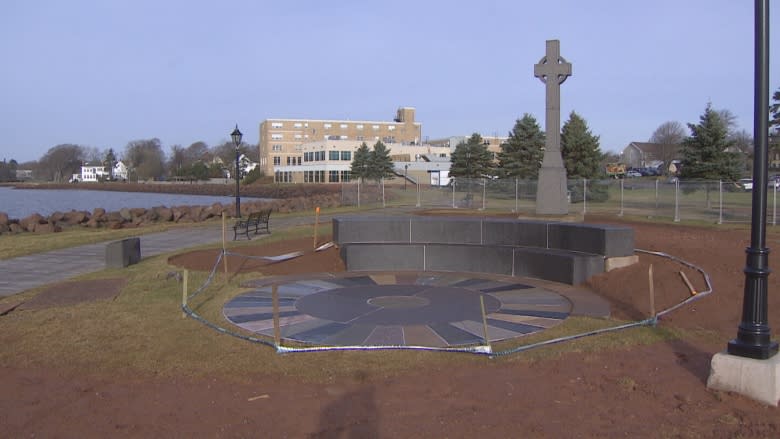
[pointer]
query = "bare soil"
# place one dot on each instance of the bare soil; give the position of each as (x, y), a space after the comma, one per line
(655, 390)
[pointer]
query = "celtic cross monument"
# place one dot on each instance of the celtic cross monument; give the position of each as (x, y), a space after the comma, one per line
(551, 190)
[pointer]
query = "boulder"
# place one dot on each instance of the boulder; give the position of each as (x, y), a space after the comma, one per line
(75, 217)
(98, 214)
(92, 223)
(125, 214)
(15, 228)
(115, 217)
(4, 228)
(31, 221)
(56, 217)
(164, 213)
(137, 212)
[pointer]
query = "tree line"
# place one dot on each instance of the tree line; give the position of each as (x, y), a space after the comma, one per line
(144, 158)
(712, 149)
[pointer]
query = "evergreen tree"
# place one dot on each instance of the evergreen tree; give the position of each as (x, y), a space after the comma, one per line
(360, 162)
(110, 162)
(380, 165)
(471, 159)
(774, 124)
(706, 153)
(521, 155)
(580, 149)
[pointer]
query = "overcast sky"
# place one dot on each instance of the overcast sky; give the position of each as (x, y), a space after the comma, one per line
(105, 72)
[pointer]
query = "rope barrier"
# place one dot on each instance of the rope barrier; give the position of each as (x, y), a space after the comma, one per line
(485, 350)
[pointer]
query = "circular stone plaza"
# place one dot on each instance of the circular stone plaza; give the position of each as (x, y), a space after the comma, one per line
(411, 309)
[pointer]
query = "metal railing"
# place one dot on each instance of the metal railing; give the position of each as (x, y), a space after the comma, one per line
(710, 201)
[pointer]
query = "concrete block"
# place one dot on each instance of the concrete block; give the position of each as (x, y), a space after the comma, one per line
(469, 258)
(362, 257)
(120, 254)
(556, 265)
(367, 229)
(447, 230)
(620, 262)
(513, 232)
(609, 241)
(756, 379)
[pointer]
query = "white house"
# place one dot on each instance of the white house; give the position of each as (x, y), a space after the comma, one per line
(93, 173)
(120, 171)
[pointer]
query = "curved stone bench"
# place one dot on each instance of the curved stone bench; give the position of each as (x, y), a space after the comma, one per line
(556, 251)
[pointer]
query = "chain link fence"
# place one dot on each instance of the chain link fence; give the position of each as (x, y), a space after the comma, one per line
(709, 201)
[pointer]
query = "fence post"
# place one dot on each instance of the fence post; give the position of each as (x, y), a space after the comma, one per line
(584, 196)
(656, 194)
(453, 193)
(517, 209)
(774, 203)
(382, 180)
(720, 201)
(418, 193)
(621, 197)
(484, 192)
(358, 194)
(677, 201)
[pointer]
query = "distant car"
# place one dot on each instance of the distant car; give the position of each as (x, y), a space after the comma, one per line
(746, 183)
(633, 174)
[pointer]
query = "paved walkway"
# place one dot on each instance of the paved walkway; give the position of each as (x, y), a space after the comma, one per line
(26, 272)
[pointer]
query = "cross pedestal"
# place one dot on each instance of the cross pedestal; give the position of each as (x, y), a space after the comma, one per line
(552, 70)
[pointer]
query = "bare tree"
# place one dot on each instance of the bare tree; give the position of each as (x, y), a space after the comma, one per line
(60, 162)
(146, 158)
(669, 133)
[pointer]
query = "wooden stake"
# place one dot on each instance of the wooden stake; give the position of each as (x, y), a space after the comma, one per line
(184, 292)
(224, 245)
(484, 320)
(652, 290)
(316, 224)
(275, 300)
(688, 283)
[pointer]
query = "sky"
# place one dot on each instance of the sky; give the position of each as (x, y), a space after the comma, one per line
(103, 73)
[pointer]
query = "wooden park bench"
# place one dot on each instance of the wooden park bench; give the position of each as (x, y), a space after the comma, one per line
(258, 220)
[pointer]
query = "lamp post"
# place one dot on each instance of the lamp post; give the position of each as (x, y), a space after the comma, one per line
(406, 174)
(236, 136)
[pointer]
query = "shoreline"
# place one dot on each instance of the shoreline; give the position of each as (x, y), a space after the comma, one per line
(278, 198)
(262, 190)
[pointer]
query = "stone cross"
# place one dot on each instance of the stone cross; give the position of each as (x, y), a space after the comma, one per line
(552, 69)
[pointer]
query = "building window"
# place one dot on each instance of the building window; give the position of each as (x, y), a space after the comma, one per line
(345, 176)
(375, 127)
(360, 138)
(359, 126)
(277, 160)
(333, 155)
(277, 136)
(298, 136)
(346, 155)
(277, 125)
(391, 128)
(319, 156)
(320, 176)
(343, 137)
(276, 148)
(326, 125)
(298, 125)
(333, 176)
(343, 126)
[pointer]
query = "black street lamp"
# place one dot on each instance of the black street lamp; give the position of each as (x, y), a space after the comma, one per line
(236, 136)
(753, 336)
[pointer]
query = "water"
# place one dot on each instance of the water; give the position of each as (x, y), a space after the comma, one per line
(19, 203)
